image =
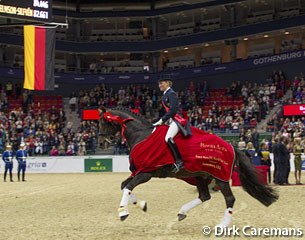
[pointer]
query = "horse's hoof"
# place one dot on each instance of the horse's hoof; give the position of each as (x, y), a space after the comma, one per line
(145, 207)
(124, 217)
(142, 205)
(123, 213)
(181, 216)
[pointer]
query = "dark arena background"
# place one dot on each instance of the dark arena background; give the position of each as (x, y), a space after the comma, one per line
(238, 70)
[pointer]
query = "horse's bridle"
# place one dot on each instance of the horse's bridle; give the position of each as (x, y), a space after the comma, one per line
(108, 117)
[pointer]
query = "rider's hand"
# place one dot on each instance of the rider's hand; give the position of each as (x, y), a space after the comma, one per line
(158, 123)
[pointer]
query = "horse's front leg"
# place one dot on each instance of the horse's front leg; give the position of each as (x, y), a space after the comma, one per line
(139, 203)
(129, 196)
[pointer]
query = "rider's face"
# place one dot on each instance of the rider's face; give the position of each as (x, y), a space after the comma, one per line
(163, 85)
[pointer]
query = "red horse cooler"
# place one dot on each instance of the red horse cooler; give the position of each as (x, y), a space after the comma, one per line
(263, 175)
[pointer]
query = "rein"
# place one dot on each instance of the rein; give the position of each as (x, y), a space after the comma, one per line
(111, 118)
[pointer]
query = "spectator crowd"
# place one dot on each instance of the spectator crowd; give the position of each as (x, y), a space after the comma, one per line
(43, 131)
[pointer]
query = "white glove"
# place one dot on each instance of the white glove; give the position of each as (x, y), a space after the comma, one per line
(158, 123)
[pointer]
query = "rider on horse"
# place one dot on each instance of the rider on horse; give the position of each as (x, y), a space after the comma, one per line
(174, 118)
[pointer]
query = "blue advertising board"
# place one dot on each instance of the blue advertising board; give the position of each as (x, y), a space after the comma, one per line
(179, 74)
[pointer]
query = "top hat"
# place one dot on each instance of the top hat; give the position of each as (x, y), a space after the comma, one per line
(165, 78)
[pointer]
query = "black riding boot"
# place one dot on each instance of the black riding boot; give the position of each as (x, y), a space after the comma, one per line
(175, 151)
(18, 175)
(11, 177)
(4, 178)
(23, 177)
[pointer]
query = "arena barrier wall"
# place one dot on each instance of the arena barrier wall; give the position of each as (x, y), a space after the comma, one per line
(74, 164)
(81, 164)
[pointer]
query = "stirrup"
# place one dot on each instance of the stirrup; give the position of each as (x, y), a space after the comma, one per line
(177, 167)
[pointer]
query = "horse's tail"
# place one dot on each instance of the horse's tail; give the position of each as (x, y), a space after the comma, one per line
(250, 182)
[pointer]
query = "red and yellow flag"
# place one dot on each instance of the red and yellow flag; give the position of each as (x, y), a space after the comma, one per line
(39, 56)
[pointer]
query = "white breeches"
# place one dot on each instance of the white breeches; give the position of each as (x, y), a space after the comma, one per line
(172, 130)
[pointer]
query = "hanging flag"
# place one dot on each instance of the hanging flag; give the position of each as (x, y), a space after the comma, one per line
(39, 56)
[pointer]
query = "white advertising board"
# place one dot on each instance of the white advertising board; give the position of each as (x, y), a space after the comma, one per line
(39, 164)
(75, 164)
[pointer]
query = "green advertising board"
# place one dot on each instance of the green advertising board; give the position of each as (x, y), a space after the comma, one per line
(98, 165)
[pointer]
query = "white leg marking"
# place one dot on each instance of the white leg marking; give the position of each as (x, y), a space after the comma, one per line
(123, 209)
(227, 218)
(125, 197)
(190, 205)
(133, 198)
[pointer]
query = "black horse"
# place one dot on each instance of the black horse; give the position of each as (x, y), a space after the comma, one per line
(134, 128)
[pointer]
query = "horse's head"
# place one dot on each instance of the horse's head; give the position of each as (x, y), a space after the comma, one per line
(112, 122)
(107, 128)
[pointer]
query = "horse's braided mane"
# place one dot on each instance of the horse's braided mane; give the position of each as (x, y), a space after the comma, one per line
(133, 114)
